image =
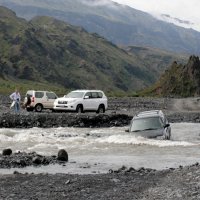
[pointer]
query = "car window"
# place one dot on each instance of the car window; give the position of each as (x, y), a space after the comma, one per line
(146, 123)
(74, 95)
(51, 95)
(88, 94)
(39, 94)
(95, 95)
(100, 94)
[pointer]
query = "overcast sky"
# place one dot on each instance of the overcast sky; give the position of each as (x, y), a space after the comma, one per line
(182, 9)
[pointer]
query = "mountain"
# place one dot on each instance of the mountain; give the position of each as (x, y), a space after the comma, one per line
(179, 80)
(120, 24)
(46, 50)
(156, 60)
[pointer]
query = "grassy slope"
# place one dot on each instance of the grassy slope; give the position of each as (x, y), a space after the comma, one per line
(52, 52)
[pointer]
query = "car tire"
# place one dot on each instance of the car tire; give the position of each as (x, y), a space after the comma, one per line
(38, 108)
(79, 109)
(101, 109)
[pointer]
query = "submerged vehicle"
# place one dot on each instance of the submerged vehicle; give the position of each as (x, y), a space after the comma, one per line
(150, 124)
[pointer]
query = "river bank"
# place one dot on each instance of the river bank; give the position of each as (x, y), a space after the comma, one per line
(120, 112)
(145, 184)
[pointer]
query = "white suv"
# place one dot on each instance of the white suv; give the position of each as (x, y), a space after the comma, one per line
(40, 100)
(82, 100)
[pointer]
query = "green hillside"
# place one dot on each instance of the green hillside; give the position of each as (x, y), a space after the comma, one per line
(54, 54)
(156, 60)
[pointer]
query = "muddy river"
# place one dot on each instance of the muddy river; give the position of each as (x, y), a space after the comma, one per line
(98, 150)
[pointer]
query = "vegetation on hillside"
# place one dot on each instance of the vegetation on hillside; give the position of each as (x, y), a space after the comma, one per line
(179, 80)
(62, 57)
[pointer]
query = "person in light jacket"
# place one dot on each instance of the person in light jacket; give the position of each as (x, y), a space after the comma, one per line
(16, 97)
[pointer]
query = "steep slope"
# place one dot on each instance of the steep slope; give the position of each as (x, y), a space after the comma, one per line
(156, 60)
(50, 51)
(179, 80)
(120, 24)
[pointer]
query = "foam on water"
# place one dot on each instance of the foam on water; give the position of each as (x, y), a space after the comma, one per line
(133, 140)
(55, 138)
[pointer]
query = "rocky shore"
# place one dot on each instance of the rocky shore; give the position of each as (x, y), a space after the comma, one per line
(181, 183)
(144, 184)
(120, 112)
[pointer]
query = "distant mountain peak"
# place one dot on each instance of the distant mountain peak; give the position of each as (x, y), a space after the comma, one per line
(120, 24)
(176, 20)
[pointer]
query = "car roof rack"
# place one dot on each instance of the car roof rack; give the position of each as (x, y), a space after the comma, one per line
(150, 112)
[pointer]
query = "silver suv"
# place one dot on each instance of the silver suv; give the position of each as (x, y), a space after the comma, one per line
(151, 124)
(82, 100)
(39, 100)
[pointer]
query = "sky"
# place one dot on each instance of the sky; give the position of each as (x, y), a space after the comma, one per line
(183, 9)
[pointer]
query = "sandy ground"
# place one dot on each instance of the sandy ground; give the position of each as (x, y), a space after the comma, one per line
(182, 183)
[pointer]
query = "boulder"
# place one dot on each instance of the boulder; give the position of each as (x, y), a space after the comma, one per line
(36, 160)
(7, 152)
(62, 155)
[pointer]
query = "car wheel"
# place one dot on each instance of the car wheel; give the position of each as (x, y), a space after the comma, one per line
(101, 109)
(79, 109)
(38, 108)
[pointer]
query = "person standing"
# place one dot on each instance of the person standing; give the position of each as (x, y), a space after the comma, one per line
(16, 97)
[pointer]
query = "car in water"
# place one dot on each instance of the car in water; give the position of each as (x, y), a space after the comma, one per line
(81, 101)
(39, 100)
(150, 124)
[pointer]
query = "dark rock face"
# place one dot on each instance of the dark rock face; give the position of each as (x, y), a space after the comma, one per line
(62, 155)
(180, 80)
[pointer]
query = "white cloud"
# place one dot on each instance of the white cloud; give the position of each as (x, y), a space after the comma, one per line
(182, 9)
(97, 2)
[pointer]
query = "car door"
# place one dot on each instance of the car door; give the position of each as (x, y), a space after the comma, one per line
(40, 98)
(95, 100)
(51, 97)
(87, 101)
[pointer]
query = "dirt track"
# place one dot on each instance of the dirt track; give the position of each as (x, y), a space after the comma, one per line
(185, 105)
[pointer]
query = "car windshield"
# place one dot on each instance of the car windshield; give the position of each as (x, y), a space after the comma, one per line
(148, 123)
(75, 95)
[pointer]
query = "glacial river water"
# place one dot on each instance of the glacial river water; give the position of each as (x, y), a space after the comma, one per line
(100, 149)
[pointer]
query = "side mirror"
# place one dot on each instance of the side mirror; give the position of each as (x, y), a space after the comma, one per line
(86, 97)
(127, 130)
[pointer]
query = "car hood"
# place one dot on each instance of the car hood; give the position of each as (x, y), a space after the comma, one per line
(149, 133)
(66, 99)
